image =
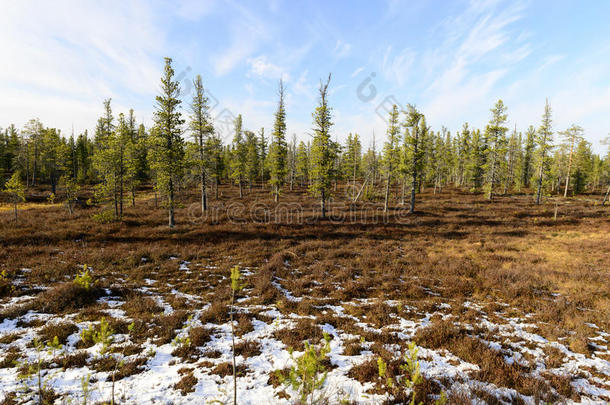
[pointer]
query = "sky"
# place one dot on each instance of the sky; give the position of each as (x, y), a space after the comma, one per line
(452, 59)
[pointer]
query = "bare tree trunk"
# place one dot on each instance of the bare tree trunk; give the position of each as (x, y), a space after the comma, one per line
(171, 204)
(606, 196)
(241, 193)
(539, 191)
(387, 193)
(565, 192)
(323, 204)
(204, 196)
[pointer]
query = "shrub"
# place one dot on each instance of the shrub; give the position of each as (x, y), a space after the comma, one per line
(309, 373)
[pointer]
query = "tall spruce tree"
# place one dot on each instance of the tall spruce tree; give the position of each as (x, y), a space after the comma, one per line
(322, 157)
(544, 141)
(201, 127)
(168, 150)
(391, 153)
(416, 126)
(495, 134)
(528, 156)
(238, 155)
(278, 148)
(571, 138)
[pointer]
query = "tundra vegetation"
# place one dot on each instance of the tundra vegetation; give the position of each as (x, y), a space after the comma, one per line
(443, 268)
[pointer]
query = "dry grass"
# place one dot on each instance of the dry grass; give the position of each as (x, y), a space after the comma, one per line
(457, 247)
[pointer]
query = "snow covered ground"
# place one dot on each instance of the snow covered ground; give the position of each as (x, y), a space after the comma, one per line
(157, 369)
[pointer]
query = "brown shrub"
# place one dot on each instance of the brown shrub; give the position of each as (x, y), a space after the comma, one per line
(247, 348)
(305, 329)
(186, 384)
(60, 329)
(66, 296)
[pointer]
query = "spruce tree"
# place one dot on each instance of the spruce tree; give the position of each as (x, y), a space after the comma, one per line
(302, 163)
(238, 155)
(571, 138)
(278, 148)
(528, 156)
(416, 125)
(391, 153)
(252, 158)
(262, 151)
(16, 189)
(544, 141)
(201, 127)
(496, 142)
(168, 145)
(322, 157)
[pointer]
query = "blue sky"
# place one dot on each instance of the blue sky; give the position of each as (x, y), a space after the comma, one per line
(453, 59)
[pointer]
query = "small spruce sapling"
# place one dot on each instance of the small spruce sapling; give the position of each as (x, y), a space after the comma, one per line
(412, 377)
(16, 189)
(309, 374)
(84, 278)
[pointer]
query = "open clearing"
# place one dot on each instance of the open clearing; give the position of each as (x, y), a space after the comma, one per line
(506, 303)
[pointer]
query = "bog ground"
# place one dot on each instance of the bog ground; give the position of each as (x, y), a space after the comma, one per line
(508, 302)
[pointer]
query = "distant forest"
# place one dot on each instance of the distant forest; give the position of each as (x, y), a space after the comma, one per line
(183, 150)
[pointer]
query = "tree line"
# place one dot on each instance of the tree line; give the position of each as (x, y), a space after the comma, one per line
(181, 149)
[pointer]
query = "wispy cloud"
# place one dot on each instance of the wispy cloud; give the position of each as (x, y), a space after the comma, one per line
(260, 66)
(396, 67)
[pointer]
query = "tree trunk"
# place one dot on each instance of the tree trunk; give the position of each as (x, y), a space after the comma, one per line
(276, 193)
(171, 204)
(241, 193)
(387, 193)
(323, 204)
(539, 191)
(606, 196)
(204, 197)
(15, 209)
(565, 192)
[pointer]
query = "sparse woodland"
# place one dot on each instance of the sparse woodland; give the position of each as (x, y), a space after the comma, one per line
(182, 150)
(428, 267)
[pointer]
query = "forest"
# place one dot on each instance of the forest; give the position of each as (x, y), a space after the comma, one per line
(182, 150)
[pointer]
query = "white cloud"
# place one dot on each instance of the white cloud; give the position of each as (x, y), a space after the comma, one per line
(260, 66)
(396, 68)
(342, 49)
(53, 59)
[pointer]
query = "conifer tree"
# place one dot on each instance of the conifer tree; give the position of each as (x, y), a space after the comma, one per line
(571, 138)
(391, 153)
(278, 148)
(238, 155)
(168, 151)
(252, 158)
(16, 189)
(214, 160)
(463, 153)
(322, 157)
(262, 147)
(201, 128)
(302, 163)
(415, 122)
(352, 157)
(496, 142)
(544, 141)
(528, 156)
